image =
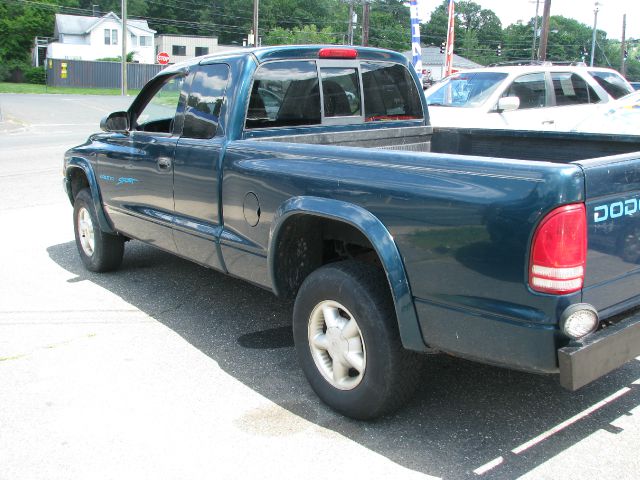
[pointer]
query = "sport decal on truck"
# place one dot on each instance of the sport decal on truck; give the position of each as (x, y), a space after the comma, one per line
(121, 180)
(616, 210)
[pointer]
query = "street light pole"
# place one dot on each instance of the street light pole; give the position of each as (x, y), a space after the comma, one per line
(545, 30)
(593, 38)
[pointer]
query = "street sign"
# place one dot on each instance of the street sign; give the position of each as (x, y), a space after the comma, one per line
(163, 58)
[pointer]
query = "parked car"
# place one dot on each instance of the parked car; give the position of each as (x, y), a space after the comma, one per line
(536, 97)
(621, 117)
(635, 85)
(506, 247)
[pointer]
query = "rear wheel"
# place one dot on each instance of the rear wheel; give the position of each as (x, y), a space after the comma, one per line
(347, 341)
(99, 251)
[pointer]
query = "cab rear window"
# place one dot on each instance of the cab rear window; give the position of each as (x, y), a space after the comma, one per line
(288, 94)
(389, 93)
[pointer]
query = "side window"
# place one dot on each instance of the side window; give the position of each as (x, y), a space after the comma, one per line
(205, 101)
(530, 89)
(572, 89)
(159, 112)
(390, 93)
(284, 94)
(340, 91)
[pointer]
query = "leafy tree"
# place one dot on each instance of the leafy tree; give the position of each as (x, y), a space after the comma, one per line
(477, 29)
(308, 34)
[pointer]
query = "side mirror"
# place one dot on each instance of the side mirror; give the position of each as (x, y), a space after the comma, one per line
(508, 104)
(115, 122)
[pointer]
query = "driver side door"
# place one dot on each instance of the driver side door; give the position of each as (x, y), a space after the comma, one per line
(136, 176)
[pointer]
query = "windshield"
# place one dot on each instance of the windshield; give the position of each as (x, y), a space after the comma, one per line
(465, 89)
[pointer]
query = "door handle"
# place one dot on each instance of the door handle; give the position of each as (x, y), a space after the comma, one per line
(164, 163)
(548, 122)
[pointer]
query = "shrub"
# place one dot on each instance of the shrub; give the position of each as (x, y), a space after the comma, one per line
(35, 75)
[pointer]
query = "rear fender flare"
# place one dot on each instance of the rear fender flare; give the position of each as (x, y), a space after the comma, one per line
(382, 241)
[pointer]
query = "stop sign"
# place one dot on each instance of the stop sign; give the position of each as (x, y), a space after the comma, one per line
(163, 58)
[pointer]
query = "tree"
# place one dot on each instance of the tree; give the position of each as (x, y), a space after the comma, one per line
(309, 34)
(477, 29)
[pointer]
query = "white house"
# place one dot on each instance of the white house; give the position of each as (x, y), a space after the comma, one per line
(186, 47)
(91, 38)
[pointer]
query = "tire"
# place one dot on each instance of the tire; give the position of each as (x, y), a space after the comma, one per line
(99, 251)
(359, 369)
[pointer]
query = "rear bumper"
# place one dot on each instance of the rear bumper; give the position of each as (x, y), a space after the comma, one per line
(600, 353)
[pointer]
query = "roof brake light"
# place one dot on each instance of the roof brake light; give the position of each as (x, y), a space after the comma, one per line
(338, 53)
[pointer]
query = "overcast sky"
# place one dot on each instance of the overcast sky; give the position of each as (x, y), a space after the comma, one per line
(609, 15)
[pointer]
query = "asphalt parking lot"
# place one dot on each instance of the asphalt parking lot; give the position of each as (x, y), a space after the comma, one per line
(167, 370)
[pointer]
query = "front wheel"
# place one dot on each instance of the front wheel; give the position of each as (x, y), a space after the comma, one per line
(99, 251)
(347, 341)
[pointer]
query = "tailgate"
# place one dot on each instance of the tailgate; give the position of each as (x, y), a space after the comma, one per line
(612, 185)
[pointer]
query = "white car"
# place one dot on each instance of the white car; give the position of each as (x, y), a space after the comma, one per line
(535, 97)
(621, 117)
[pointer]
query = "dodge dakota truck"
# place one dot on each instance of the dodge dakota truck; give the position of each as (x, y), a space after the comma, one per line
(313, 172)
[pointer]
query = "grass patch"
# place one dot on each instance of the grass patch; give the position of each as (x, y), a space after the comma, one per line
(32, 88)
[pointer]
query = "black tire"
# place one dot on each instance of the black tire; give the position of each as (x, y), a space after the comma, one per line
(108, 250)
(390, 372)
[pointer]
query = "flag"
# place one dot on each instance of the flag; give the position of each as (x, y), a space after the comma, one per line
(416, 49)
(448, 63)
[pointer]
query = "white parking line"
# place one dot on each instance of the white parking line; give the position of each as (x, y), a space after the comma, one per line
(552, 431)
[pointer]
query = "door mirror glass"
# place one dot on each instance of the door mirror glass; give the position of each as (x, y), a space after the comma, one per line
(508, 104)
(115, 122)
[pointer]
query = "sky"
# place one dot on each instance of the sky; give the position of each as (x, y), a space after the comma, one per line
(609, 14)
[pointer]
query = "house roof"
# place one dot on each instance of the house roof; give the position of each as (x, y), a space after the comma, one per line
(432, 56)
(81, 25)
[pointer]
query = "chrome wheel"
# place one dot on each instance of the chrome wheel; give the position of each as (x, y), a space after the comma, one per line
(336, 344)
(86, 232)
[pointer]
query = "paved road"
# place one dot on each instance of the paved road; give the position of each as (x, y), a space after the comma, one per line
(167, 370)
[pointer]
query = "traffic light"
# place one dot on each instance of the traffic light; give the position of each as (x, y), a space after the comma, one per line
(626, 54)
(499, 50)
(583, 53)
(442, 47)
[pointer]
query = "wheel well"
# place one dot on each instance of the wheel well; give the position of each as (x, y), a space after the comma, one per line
(306, 242)
(78, 180)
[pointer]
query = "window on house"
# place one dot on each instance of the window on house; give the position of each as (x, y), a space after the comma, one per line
(134, 41)
(180, 50)
(145, 41)
(202, 51)
(110, 36)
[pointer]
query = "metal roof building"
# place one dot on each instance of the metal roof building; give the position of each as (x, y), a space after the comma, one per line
(433, 60)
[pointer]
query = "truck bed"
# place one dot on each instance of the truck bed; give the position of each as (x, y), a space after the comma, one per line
(557, 147)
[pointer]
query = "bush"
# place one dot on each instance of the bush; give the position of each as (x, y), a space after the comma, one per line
(11, 70)
(35, 75)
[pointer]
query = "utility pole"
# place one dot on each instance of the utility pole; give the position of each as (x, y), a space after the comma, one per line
(123, 75)
(623, 65)
(256, 7)
(535, 32)
(593, 38)
(544, 36)
(350, 31)
(365, 24)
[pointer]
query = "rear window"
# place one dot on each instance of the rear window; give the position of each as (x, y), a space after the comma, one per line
(284, 94)
(389, 93)
(287, 94)
(613, 83)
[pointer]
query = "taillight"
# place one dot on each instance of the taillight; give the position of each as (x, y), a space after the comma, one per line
(338, 53)
(559, 251)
